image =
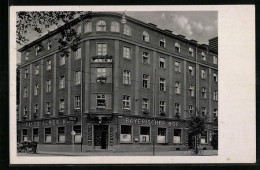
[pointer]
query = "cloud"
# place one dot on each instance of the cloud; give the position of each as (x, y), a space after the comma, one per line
(181, 24)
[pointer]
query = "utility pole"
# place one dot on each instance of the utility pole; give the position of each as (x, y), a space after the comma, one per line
(154, 107)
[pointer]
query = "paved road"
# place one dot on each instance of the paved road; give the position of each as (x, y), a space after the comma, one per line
(111, 153)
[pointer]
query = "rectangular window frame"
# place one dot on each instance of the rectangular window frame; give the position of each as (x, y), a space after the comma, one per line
(142, 136)
(145, 58)
(146, 81)
(103, 97)
(50, 135)
(160, 136)
(58, 135)
(35, 135)
(176, 136)
(126, 102)
(126, 52)
(127, 135)
(127, 77)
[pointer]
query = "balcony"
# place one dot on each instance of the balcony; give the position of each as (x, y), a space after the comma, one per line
(102, 59)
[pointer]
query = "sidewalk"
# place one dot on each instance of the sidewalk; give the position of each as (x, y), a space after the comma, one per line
(112, 153)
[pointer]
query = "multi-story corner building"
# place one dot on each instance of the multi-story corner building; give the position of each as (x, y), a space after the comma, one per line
(128, 86)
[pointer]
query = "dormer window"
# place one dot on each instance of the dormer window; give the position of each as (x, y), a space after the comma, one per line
(49, 45)
(162, 42)
(145, 36)
(177, 47)
(191, 52)
(101, 25)
(203, 56)
(88, 27)
(115, 27)
(127, 30)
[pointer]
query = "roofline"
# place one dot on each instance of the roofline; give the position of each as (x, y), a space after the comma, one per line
(114, 14)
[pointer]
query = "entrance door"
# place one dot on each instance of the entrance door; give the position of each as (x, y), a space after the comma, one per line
(100, 136)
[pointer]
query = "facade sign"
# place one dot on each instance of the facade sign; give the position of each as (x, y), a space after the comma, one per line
(141, 121)
(47, 123)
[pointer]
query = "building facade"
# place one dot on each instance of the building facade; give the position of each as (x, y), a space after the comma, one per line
(129, 86)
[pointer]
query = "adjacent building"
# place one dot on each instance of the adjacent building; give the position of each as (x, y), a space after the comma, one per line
(129, 86)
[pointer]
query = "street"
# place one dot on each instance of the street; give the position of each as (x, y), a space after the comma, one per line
(112, 153)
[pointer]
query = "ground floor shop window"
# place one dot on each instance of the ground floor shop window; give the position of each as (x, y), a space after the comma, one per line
(161, 137)
(144, 134)
(36, 135)
(61, 134)
(204, 138)
(177, 136)
(25, 134)
(126, 133)
(77, 136)
(47, 135)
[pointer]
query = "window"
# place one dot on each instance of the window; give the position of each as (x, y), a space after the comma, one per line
(77, 102)
(62, 60)
(215, 60)
(126, 102)
(162, 42)
(177, 87)
(77, 137)
(48, 108)
(126, 133)
(127, 30)
(25, 134)
(177, 47)
(204, 92)
(26, 73)
(161, 137)
(191, 52)
(36, 135)
(162, 84)
(78, 54)
(49, 45)
(146, 57)
(162, 62)
(115, 27)
(203, 56)
(25, 111)
(62, 105)
(204, 138)
(191, 90)
(145, 36)
(144, 134)
(177, 136)
(62, 82)
(61, 135)
(126, 77)
(36, 68)
(203, 111)
(48, 65)
(25, 92)
(79, 29)
(162, 107)
(177, 66)
(101, 75)
(47, 135)
(215, 113)
(203, 74)
(145, 104)
(101, 25)
(101, 101)
(191, 109)
(191, 70)
(27, 55)
(77, 77)
(48, 86)
(36, 108)
(36, 89)
(146, 81)
(215, 77)
(215, 95)
(37, 50)
(126, 52)
(102, 49)
(177, 108)
(88, 27)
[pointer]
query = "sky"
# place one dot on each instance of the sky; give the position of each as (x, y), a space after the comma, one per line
(197, 25)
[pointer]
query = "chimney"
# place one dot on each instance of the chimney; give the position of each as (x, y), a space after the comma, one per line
(213, 44)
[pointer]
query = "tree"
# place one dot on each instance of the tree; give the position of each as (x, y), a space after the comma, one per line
(197, 126)
(40, 22)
